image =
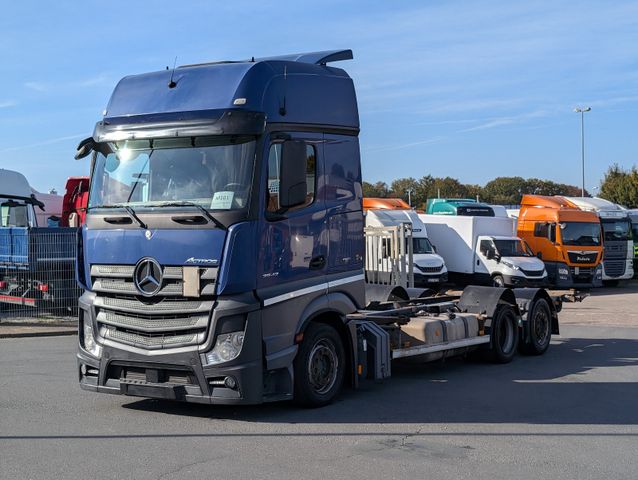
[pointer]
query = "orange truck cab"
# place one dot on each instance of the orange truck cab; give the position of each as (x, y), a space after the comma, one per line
(567, 239)
(371, 203)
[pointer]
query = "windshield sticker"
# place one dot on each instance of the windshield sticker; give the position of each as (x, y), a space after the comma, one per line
(222, 200)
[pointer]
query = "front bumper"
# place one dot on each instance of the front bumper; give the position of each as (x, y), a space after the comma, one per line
(520, 281)
(179, 373)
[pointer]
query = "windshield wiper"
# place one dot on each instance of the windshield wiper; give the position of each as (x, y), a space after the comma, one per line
(128, 209)
(205, 212)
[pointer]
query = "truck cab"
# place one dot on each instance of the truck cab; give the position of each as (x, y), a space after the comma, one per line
(428, 267)
(224, 219)
(567, 239)
(458, 206)
(16, 201)
(617, 237)
(509, 262)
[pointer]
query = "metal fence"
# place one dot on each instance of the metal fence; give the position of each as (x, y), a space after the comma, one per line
(37, 273)
(389, 255)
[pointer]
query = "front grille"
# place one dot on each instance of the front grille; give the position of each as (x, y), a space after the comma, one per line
(430, 269)
(615, 250)
(582, 257)
(614, 268)
(151, 323)
(165, 320)
(151, 341)
(532, 273)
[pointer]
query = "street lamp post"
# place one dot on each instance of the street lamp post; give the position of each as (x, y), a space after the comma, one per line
(582, 111)
(410, 191)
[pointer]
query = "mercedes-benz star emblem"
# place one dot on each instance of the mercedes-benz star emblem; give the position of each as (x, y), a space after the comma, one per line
(148, 276)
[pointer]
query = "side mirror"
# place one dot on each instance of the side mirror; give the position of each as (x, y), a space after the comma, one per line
(292, 179)
(84, 148)
(539, 255)
(490, 254)
(434, 248)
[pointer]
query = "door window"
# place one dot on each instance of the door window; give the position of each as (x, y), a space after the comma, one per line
(274, 169)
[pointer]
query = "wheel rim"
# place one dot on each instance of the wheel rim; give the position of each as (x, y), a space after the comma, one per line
(498, 282)
(541, 326)
(506, 334)
(323, 365)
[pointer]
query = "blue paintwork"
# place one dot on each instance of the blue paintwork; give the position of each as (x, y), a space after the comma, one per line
(169, 246)
(238, 271)
(315, 94)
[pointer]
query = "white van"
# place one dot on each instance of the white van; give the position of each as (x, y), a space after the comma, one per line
(429, 267)
(485, 250)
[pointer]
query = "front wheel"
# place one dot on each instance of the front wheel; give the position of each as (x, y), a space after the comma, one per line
(540, 328)
(319, 366)
(498, 281)
(504, 334)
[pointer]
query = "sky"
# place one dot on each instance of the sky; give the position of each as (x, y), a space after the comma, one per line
(468, 89)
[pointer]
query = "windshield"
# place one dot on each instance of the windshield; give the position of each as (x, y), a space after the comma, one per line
(617, 230)
(580, 233)
(512, 248)
(13, 214)
(213, 172)
(421, 245)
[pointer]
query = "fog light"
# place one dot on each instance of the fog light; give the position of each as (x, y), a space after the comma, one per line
(227, 348)
(90, 344)
(230, 382)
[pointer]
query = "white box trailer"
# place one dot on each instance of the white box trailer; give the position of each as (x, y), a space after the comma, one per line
(484, 250)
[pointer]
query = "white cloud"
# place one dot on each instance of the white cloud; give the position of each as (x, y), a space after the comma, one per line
(43, 143)
(37, 86)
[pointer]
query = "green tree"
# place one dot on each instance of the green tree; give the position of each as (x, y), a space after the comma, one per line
(379, 189)
(620, 186)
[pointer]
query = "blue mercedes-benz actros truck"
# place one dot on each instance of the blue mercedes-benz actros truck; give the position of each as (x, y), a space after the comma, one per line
(223, 251)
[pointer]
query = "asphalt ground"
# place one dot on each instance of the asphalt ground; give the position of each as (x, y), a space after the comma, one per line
(572, 414)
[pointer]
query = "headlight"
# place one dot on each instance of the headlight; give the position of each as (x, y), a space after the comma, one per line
(510, 265)
(227, 348)
(90, 344)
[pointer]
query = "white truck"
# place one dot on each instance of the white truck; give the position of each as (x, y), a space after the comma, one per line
(484, 250)
(618, 256)
(429, 268)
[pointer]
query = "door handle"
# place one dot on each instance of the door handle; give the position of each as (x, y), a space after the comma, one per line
(317, 263)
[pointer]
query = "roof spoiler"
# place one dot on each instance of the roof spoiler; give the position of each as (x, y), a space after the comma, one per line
(316, 58)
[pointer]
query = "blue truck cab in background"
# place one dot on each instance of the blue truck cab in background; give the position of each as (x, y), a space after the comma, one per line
(223, 244)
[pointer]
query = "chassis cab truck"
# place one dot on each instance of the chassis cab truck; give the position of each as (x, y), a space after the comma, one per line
(482, 250)
(567, 239)
(618, 258)
(222, 253)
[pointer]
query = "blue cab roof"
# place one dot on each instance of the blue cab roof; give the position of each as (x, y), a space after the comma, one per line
(298, 88)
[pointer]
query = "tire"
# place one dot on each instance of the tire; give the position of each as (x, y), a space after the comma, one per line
(540, 329)
(498, 281)
(319, 366)
(504, 334)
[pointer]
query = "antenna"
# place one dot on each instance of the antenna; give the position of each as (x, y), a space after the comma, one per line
(282, 108)
(171, 83)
